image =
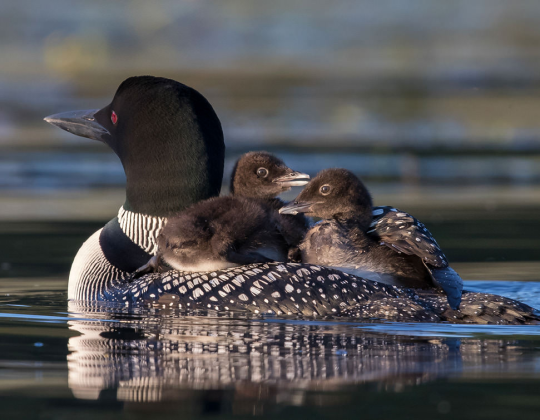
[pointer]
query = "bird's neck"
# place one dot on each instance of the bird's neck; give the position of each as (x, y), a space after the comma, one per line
(166, 182)
(142, 229)
(163, 195)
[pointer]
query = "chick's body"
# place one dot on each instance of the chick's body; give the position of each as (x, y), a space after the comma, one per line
(349, 249)
(378, 243)
(221, 233)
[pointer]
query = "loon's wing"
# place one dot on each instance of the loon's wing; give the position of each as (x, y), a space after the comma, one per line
(448, 280)
(403, 233)
(277, 288)
(302, 290)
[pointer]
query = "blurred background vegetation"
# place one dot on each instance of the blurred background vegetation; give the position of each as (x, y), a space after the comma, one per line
(434, 103)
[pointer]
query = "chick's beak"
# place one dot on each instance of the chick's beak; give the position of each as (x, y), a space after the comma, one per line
(296, 207)
(292, 179)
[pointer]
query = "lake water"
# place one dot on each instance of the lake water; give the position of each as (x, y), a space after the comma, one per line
(59, 360)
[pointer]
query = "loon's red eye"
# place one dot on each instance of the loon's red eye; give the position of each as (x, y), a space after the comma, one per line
(114, 117)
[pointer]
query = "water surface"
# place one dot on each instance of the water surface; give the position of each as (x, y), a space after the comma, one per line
(58, 360)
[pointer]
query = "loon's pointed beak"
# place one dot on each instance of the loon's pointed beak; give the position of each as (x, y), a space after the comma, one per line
(296, 207)
(80, 123)
(293, 179)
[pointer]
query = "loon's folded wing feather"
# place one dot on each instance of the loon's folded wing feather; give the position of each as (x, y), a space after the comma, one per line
(481, 308)
(450, 281)
(403, 233)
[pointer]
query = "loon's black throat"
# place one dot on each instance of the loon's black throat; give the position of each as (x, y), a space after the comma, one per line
(172, 147)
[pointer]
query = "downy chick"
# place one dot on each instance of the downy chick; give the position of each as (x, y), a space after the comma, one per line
(240, 229)
(381, 243)
(262, 176)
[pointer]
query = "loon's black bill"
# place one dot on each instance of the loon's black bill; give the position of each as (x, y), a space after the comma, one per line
(294, 179)
(296, 207)
(80, 123)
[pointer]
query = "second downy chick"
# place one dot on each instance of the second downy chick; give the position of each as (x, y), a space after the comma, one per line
(262, 176)
(381, 243)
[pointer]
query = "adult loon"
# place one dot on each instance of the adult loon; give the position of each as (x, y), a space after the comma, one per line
(170, 143)
(239, 229)
(393, 248)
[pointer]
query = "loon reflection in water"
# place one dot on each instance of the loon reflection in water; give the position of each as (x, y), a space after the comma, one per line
(150, 355)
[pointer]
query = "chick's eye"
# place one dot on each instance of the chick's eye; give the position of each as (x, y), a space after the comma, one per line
(114, 117)
(325, 189)
(262, 172)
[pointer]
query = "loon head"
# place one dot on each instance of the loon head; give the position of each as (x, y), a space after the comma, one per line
(263, 175)
(168, 138)
(334, 194)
